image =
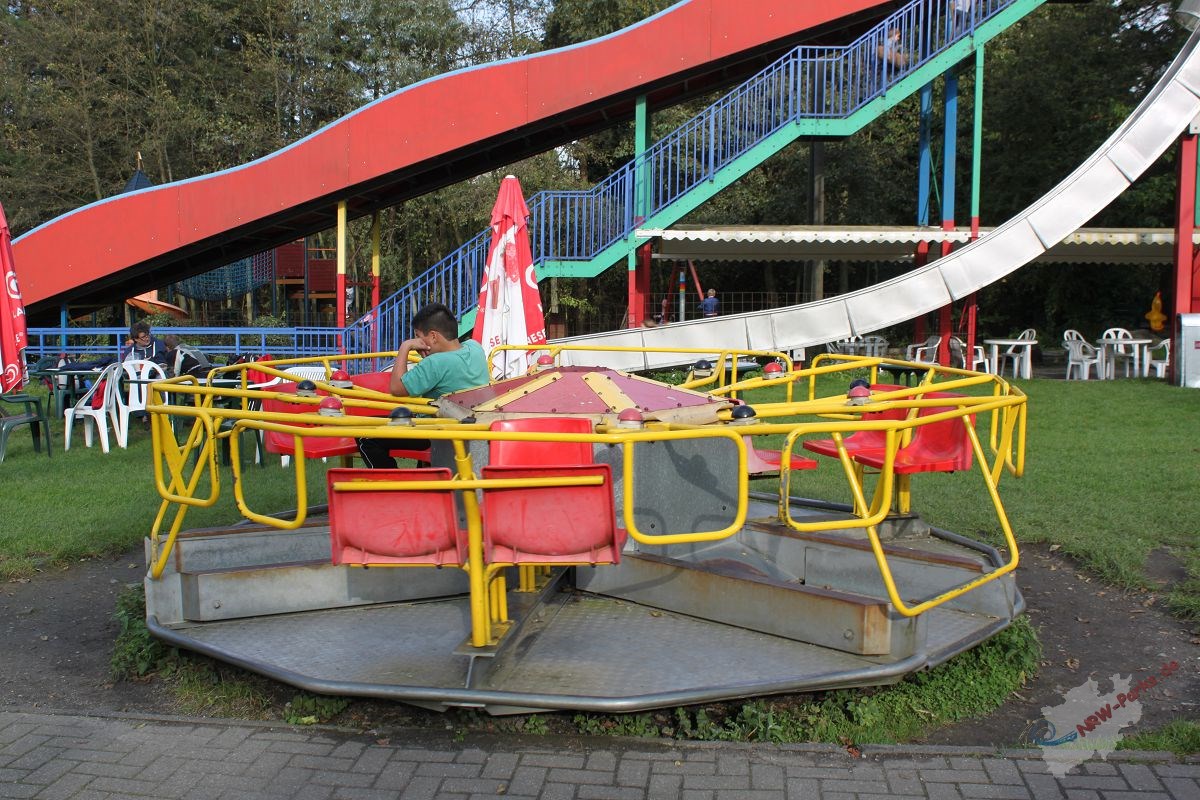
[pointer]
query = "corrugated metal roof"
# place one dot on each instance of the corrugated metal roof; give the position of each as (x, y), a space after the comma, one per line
(897, 244)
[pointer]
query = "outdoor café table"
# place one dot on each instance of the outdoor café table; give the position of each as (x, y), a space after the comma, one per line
(72, 388)
(1026, 354)
(1108, 361)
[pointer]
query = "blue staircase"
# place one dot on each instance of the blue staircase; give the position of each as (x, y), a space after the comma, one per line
(810, 91)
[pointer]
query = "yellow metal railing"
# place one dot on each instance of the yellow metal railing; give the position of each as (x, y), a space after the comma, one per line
(721, 379)
(191, 419)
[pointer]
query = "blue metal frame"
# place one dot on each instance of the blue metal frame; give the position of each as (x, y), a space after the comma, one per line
(818, 85)
(96, 343)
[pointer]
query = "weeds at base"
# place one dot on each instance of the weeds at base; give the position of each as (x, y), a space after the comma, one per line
(971, 684)
(1181, 737)
(203, 687)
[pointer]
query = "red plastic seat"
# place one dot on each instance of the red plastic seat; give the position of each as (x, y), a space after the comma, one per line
(416, 455)
(942, 446)
(551, 524)
(284, 444)
(869, 442)
(861, 441)
(394, 527)
(768, 462)
(541, 453)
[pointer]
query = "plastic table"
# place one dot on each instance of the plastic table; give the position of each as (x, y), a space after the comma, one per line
(1108, 362)
(1026, 355)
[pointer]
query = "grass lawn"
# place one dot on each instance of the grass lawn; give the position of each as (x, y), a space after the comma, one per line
(84, 502)
(1112, 473)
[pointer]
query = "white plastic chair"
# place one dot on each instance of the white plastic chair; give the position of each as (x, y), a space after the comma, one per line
(1159, 365)
(958, 349)
(875, 345)
(132, 393)
(925, 353)
(1072, 335)
(1081, 357)
(99, 418)
(1015, 353)
(1121, 353)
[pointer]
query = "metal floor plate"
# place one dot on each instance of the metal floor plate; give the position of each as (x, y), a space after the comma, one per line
(399, 644)
(588, 651)
(611, 648)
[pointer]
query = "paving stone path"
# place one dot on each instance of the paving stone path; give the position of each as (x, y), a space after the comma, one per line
(45, 755)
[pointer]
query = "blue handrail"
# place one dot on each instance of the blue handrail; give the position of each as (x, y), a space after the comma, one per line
(807, 82)
(106, 342)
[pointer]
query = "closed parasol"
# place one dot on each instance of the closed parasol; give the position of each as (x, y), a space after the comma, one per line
(510, 308)
(12, 317)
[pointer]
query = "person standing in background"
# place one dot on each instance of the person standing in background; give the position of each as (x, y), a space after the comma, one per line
(710, 306)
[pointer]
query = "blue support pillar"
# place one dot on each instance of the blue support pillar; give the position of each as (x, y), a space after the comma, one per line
(924, 185)
(925, 161)
(949, 156)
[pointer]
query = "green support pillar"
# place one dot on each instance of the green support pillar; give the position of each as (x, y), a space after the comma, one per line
(977, 143)
(638, 268)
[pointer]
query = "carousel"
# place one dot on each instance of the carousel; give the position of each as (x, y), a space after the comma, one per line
(581, 537)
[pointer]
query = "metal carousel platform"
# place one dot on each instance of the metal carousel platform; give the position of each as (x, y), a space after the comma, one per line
(717, 593)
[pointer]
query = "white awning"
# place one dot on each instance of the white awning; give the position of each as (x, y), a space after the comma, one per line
(894, 244)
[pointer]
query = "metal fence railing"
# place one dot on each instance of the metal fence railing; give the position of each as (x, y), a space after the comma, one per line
(85, 344)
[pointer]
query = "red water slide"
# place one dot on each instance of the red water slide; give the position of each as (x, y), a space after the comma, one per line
(428, 135)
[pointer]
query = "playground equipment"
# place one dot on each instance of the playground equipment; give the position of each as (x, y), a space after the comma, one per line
(584, 538)
(491, 115)
(810, 91)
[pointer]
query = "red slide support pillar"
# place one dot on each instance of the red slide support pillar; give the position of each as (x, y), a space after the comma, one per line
(1187, 279)
(639, 285)
(1187, 262)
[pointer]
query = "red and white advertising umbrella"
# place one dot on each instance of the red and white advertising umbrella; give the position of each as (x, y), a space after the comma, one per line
(510, 308)
(12, 317)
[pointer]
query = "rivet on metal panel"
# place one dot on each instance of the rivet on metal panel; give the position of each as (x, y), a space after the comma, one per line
(847, 634)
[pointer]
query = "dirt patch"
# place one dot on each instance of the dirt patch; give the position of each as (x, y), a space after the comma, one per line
(58, 630)
(1089, 630)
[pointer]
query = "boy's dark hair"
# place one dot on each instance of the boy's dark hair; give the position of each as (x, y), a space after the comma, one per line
(138, 327)
(436, 317)
(171, 341)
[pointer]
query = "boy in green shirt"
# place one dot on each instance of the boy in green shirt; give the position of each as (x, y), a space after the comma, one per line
(447, 365)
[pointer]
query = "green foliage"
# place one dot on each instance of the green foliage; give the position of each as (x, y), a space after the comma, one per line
(208, 688)
(535, 725)
(311, 709)
(135, 653)
(268, 321)
(165, 320)
(641, 725)
(1181, 737)
(968, 685)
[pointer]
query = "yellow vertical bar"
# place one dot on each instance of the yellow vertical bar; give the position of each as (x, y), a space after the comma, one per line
(904, 493)
(375, 259)
(480, 613)
(340, 313)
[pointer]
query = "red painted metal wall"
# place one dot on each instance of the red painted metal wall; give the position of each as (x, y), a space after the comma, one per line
(421, 123)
